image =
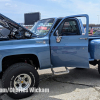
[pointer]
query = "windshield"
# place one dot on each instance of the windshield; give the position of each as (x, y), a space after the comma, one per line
(42, 27)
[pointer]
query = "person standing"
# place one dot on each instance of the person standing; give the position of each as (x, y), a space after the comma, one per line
(84, 29)
(91, 31)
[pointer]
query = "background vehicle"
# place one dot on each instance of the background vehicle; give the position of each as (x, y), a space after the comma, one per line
(97, 32)
(52, 42)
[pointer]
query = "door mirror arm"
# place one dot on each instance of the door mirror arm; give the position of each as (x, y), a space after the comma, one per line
(58, 38)
(57, 33)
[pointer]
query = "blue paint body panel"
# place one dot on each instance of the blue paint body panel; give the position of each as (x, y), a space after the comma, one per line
(27, 46)
(95, 49)
(71, 51)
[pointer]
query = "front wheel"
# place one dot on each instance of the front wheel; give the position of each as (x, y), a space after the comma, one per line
(20, 76)
(99, 67)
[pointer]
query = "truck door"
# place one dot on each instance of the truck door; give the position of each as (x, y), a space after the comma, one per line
(68, 43)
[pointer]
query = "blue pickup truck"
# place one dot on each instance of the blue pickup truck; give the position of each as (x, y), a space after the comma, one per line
(52, 42)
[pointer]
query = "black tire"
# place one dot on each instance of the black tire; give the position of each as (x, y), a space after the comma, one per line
(99, 67)
(79, 68)
(13, 71)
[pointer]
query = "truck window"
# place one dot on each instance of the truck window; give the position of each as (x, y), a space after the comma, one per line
(68, 27)
(42, 27)
(57, 22)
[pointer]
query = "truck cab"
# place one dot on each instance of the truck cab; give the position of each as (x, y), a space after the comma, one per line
(68, 42)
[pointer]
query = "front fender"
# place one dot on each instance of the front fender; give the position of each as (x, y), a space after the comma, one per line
(27, 46)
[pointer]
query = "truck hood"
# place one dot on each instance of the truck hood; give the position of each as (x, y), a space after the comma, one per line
(10, 24)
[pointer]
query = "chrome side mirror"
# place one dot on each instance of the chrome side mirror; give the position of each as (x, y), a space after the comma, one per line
(58, 38)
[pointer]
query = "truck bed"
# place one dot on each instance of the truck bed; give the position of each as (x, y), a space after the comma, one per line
(94, 47)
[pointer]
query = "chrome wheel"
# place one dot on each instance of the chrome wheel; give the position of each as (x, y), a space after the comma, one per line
(20, 76)
(22, 82)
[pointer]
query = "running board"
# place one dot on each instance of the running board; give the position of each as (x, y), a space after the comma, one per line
(61, 72)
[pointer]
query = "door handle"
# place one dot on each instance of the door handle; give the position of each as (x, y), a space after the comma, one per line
(83, 38)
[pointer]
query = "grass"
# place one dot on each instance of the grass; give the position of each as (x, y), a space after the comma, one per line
(93, 32)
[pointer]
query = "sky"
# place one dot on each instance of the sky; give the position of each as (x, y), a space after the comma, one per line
(15, 9)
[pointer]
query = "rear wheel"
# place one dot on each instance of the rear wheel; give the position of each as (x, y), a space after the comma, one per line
(79, 68)
(99, 67)
(20, 76)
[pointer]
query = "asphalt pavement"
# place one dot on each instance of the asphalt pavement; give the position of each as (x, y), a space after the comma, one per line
(79, 84)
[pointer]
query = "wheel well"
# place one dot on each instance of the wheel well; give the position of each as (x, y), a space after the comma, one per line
(27, 58)
(93, 62)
